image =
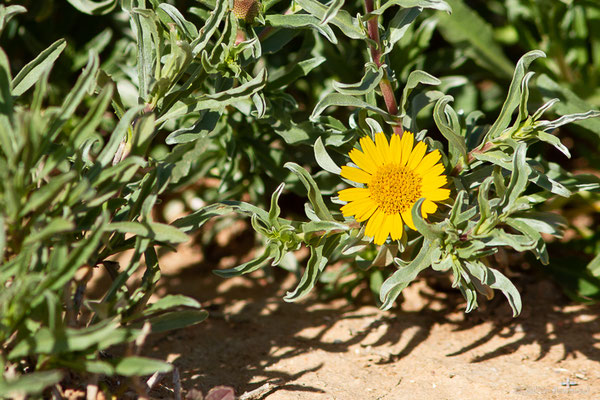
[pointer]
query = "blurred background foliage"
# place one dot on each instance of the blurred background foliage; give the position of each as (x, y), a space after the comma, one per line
(190, 157)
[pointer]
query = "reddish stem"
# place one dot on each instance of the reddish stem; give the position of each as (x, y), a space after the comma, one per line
(385, 85)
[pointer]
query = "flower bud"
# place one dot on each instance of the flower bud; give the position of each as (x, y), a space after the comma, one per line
(246, 9)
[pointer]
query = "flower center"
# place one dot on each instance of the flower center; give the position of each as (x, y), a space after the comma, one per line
(395, 188)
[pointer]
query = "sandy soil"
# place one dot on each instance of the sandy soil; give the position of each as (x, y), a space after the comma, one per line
(425, 348)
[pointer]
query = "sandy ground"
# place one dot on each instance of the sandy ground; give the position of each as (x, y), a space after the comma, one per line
(425, 348)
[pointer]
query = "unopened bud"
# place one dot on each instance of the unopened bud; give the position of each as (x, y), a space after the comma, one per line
(246, 9)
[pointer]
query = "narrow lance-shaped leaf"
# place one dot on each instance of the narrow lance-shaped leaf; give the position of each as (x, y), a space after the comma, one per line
(342, 19)
(367, 84)
(314, 194)
(434, 4)
(514, 95)
(458, 147)
(337, 99)
(295, 21)
(391, 288)
(323, 158)
(31, 73)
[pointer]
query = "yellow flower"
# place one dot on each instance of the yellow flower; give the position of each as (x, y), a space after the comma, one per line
(395, 175)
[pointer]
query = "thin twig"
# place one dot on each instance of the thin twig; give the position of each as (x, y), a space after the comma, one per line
(258, 392)
(176, 383)
(385, 85)
(153, 380)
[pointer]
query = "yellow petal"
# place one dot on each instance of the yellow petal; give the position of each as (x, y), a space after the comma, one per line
(384, 230)
(429, 207)
(397, 227)
(434, 182)
(407, 145)
(369, 209)
(436, 194)
(356, 207)
(428, 162)
(355, 174)
(353, 194)
(371, 151)
(436, 170)
(407, 218)
(363, 161)
(374, 223)
(396, 149)
(417, 155)
(383, 147)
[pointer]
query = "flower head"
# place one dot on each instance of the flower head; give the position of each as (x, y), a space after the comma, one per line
(395, 175)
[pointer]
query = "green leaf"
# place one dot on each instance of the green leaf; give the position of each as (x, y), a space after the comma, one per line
(337, 99)
(47, 193)
(118, 136)
(175, 16)
(399, 25)
(342, 19)
(171, 301)
(140, 366)
(414, 79)
(177, 320)
(570, 103)
(292, 72)
(327, 226)
(56, 226)
(31, 73)
(209, 28)
(7, 13)
(314, 267)
(217, 100)
(513, 99)
(434, 4)
(275, 210)
(94, 7)
(314, 193)
(31, 383)
(297, 21)
(494, 279)
(152, 230)
(249, 266)
(86, 83)
(429, 231)
(201, 128)
(143, 132)
(391, 288)
(467, 30)
(323, 158)
(518, 179)
(456, 142)
(367, 84)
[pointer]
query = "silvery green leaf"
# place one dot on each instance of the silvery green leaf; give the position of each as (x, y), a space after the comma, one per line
(314, 194)
(522, 226)
(499, 185)
(367, 84)
(217, 100)
(342, 19)
(523, 113)
(334, 8)
(429, 231)
(566, 119)
(153, 230)
(7, 13)
(496, 157)
(119, 134)
(553, 140)
(94, 7)
(31, 73)
(301, 21)
(518, 180)
(210, 26)
(205, 124)
(498, 237)
(456, 141)
(414, 79)
(545, 182)
(318, 260)
(496, 280)
(485, 211)
(275, 210)
(569, 103)
(444, 264)
(249, 266)
(391, 288)
(175, 16)
(323, 158)
(316, 226)
(399, 25)
(283, 77)
(434, 4)
(86, 83)
(540, 111)
(514, 95)
(545, 222)
(459, 201)
(337, 99)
